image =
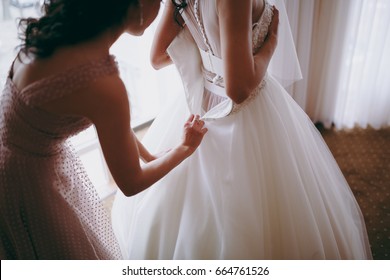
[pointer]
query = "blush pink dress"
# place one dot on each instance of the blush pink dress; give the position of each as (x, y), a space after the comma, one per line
(48, 207)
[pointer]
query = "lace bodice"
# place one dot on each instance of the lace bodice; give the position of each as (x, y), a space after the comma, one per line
(199, 45)
(202, 20)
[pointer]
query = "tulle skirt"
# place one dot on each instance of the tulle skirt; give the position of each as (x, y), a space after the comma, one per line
(262, 185)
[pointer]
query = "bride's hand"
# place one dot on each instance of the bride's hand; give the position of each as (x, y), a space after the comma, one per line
(271, 40)
(194, 131)
(274, 25)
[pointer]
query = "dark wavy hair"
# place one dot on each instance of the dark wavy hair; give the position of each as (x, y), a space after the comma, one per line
(179, 6)
(67, 22)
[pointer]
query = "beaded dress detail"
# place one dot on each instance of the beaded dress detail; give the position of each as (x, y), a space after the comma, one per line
(49, 207)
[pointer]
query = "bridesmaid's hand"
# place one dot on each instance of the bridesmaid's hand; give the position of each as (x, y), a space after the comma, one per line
(194, 131)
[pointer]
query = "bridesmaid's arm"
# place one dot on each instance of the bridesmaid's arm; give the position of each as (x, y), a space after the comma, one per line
(144, 154)
(167, 30)
(243, 70)
(106, 104)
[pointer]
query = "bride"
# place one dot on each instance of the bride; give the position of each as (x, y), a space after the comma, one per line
(263, 184)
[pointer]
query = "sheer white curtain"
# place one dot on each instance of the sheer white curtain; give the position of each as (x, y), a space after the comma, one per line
(343, 48)
(301, 13)
(363, 94)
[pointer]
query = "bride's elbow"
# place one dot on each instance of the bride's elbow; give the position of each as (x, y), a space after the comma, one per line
(129, 190)
(238, 95)
(155, 62)
(159, 61)
(129, 187)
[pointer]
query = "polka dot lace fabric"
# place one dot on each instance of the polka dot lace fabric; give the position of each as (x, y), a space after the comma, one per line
(49, 207)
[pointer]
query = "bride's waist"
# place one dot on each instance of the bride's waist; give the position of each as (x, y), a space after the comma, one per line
(215, 83)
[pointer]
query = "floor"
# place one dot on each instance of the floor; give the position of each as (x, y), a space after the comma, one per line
(364, 158)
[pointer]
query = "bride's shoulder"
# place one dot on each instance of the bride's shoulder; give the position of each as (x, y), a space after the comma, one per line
(232, 7)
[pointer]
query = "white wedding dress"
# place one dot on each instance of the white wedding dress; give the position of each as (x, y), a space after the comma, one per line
(262, 185)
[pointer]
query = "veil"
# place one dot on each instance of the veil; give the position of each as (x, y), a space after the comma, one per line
(284, 65)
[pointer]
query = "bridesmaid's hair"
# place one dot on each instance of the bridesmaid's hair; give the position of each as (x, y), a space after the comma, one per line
(179, 6)
(67, 22)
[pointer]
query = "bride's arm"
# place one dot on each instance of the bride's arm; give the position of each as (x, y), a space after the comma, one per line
(243, 70)
(166, 31)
